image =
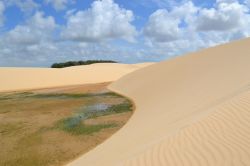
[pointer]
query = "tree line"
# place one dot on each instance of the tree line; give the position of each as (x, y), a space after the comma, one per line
(77, 63)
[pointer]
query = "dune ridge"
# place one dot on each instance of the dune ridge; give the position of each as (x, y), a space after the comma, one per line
(190, 110)
(221, 138)
(13, 79)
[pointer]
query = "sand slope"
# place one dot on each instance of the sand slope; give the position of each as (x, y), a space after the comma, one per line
(31, 78)
(191, 110)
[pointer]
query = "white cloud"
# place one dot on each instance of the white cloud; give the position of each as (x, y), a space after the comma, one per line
(226, 16)
(59, 4)
(226, 1)
(2, 9)
(188, 28)
(32, 43)
(36, 29)
(25, 5)
(228, 19)
(42, 22)
(89, 34)
(164, 26)
(29, 44)
(104, 20)
(161, 27)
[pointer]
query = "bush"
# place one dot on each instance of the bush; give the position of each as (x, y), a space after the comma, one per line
(77, 63)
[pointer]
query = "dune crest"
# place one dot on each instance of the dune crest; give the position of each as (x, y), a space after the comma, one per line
(32, 78)
(190, 110)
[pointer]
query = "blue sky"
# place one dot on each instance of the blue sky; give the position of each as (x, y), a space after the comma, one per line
(40, 32)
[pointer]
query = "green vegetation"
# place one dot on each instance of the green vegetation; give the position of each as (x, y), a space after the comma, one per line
(71, 95)
(76, 126)
(27, 152)
(61, 95)
(65, 124)
(68, 95)
(15, 95)
(56, 95)
(77, 63)
(89, 113)
(11, 128)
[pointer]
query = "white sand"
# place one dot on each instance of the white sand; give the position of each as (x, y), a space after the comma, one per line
(31, 78)
(192, 110)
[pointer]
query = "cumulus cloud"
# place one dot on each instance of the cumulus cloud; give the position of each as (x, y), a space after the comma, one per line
(226, 16)
(30, 43)
(187, 27)
(36, 29)
(228, 20)
(92, 33)
(161, 27)
(103, 21)
(2, 8)
(165, 26)
(36, 42)
(59, 4)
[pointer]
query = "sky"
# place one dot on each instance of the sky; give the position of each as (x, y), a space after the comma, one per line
(37, 33)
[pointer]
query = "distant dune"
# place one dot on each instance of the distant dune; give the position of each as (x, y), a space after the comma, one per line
(192, 110)
(31, 78)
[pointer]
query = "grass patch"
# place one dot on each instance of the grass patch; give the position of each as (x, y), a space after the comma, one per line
(10, 128)
(61, 95)
(4, 111)
(123, 107)
(68, 95)
(26, 95)
(4, 98)
(75, 126)
(24, 158)
(109, 94)
(86, 113)
(56, 95)
(50, 128)
(26, 152)
(30, 140)
(15, 95)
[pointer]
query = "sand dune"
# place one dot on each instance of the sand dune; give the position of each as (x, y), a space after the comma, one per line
(32, 78)
(191, 110)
